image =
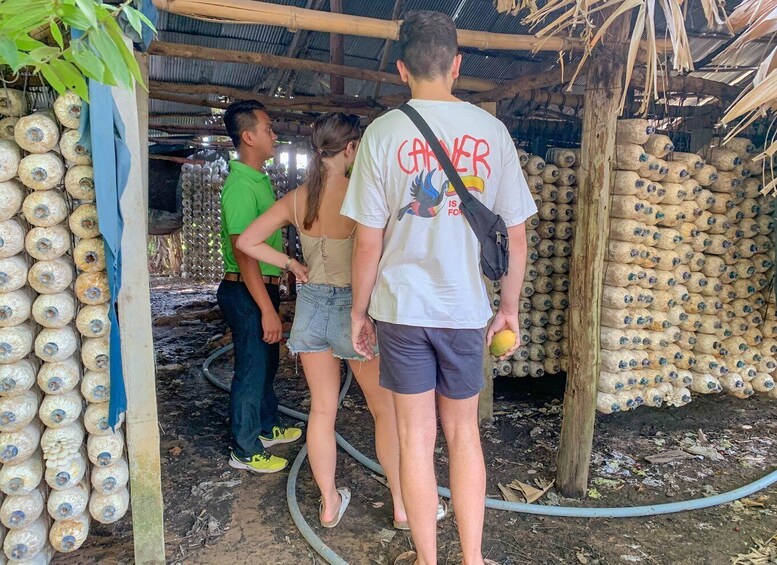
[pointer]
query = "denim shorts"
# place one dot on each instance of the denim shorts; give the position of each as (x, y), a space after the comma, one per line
(415, 360)
(322, 321)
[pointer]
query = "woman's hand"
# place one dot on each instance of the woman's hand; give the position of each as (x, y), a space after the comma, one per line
(300, 271)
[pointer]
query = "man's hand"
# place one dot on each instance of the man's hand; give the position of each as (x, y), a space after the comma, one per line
(363, 336)
(272, 327)
(501, 322)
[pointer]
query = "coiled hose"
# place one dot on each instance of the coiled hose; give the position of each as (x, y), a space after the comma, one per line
(559, 511)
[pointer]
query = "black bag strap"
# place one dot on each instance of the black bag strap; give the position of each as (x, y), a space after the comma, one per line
(467, 200)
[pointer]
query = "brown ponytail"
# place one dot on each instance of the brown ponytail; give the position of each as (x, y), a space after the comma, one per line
(331, 134)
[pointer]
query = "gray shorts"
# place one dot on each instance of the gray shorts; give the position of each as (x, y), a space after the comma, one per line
(415, 360)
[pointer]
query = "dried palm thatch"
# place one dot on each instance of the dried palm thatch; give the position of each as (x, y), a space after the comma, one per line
(762, 554)
(755, 19)
(589, 20)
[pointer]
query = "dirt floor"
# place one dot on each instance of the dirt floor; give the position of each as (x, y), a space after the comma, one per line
(215, 514)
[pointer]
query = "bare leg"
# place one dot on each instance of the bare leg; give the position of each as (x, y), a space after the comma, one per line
(381, 405)
(467, 472)
(417, 423)
(322, 372)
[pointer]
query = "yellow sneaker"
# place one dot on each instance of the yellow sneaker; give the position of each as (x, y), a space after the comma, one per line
(281, 435)
(259, 463)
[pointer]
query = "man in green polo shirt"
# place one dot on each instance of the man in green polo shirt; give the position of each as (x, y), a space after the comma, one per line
(249, 298)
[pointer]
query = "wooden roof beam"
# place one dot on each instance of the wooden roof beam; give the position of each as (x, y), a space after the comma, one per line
(290, 17)
(264, 59)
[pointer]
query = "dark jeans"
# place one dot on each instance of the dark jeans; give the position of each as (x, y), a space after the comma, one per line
(253, 406)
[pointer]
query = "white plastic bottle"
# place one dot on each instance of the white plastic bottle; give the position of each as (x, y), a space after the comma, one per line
(56, 344)
(59, 443)
(60, 377)
(66, 475)
(95, 353)
(108, 508)
(54, 310)
(96, 387)
(25, 543)
(15, 307)
(57, 411)
(68, 503)
(105, 450)
(21, 511)
(16, 447)
(23, 477)
(106, 480)
(16, 412)
(96, 420)
(68, 535)
(17, 377)
(92, 321)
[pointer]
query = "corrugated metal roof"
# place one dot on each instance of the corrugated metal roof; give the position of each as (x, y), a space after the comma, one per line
(365, 53)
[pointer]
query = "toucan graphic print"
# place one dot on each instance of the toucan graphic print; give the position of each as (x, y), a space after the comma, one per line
(429, 200)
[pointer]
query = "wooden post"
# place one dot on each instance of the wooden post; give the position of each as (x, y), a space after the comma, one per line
(387, 45)
(137, 346)
(336, 51)
(486, 398)
(602, 98)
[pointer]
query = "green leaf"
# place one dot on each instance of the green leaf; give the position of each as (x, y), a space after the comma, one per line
(133, 19)
(18, 6)
(131, 64)
(43, 54)
(8, 53)
(27, 43)
(52, 78)
(88, 62)
(89, 11)
(56, 33)
(71, 77)
(74, 18)
(24, 22)
(145, 20)
(107, 50)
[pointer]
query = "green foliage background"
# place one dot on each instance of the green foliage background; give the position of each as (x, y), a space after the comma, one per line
(100, 53)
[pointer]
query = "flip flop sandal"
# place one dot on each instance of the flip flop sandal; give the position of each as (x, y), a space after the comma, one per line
(406, 558)
(345, 499)
(442, 512)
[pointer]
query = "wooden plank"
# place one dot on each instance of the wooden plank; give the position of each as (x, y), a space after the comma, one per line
(138, 361)
(486, 396)
(290, 17)
(278, 61)
(602, 98)
(522, 85)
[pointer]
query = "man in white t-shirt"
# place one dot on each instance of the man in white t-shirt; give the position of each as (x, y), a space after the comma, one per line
(416, 268)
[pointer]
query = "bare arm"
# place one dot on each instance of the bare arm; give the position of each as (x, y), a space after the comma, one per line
(252, 241)
(367, 250)
(507, 315)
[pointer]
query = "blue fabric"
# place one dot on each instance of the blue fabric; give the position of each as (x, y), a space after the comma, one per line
(102, 131)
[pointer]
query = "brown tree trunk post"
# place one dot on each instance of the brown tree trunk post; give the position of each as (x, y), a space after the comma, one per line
(604, 87)
(336, 51)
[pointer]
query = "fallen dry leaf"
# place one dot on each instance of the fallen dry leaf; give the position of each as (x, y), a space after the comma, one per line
(175, 451)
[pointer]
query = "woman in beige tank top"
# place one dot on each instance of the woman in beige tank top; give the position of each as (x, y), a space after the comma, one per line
(322, 319)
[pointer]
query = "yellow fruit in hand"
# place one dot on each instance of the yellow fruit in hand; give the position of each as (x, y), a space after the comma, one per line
(502, 342)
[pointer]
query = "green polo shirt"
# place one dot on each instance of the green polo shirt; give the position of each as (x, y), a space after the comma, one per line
(247, 194)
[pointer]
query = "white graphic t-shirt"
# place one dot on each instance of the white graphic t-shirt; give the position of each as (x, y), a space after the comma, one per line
(429, 274)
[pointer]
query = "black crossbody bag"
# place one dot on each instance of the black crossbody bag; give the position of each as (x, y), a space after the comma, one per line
(489, 228)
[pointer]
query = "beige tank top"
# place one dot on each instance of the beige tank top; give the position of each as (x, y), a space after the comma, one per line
(328, 259)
